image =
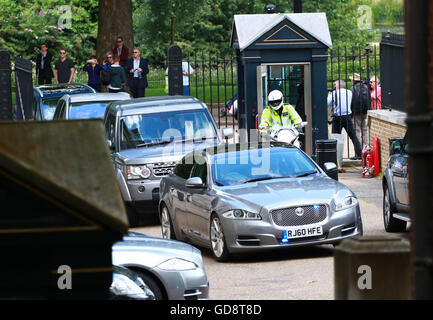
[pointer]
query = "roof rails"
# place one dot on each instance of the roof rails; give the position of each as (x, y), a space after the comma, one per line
(62, 88)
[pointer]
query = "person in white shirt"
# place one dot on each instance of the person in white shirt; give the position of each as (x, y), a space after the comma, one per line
(187, 71)
(340, 99)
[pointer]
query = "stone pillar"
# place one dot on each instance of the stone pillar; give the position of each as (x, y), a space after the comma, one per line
(372, 267)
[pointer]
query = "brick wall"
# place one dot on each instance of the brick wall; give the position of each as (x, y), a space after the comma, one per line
(384, 130)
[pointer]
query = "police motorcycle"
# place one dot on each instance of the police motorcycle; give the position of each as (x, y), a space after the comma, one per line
(288, 134)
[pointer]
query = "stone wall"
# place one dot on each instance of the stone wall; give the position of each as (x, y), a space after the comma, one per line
(385, 124)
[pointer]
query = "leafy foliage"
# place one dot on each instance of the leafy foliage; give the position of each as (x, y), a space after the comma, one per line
(27, 24)
(201, 26)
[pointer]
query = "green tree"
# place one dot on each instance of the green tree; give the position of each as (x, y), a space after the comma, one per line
(27, 24)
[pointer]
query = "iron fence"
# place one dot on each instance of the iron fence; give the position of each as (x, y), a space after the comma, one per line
(357, 72)
(214, 82)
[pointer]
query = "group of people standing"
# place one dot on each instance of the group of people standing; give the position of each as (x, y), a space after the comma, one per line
(117, 70)
(350, 107)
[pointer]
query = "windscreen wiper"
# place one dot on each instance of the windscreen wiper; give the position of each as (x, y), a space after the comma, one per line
(196, 139)
(152, 143)
(305, 174)
(266, 178)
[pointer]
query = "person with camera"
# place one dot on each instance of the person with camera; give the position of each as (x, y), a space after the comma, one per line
(340, 99)
(93, 70)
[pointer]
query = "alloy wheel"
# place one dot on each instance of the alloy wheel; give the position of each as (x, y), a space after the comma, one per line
(217, 237)
(165, 223)
(386, 207)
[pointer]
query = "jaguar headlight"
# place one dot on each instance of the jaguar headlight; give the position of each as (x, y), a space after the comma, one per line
(137, 172)
(241, 215)
(345, 203)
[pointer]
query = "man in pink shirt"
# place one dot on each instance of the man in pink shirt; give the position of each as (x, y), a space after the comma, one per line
(376, 93)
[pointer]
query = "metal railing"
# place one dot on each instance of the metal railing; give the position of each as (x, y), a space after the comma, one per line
(354, 68)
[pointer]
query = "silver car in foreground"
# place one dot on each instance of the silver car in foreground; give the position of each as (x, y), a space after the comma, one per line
(242, 198)
(173, 270)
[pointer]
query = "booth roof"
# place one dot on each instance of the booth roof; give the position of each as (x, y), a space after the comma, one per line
(250, 27)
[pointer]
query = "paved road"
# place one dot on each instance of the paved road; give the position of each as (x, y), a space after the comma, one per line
(297, 273)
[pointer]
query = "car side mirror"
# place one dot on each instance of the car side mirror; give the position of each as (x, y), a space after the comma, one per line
(329, 167)
(227, 133)
(194, 183)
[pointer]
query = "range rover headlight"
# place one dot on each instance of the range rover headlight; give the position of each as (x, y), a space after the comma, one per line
(347, 202)
(137, 172)
(242, 215)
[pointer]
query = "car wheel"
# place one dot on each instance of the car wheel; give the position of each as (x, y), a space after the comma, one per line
(217, 240)
(167, 229)
(157, 290)
(131, 213)
(391, 224)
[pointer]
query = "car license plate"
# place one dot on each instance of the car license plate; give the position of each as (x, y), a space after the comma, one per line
(303, 232)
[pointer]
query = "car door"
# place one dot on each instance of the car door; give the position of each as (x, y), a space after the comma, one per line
(177, 192)
(399, 177)
(198, 203)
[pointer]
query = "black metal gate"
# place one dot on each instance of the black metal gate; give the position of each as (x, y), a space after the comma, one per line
(5, 86)
(24, 89)
(392, 70)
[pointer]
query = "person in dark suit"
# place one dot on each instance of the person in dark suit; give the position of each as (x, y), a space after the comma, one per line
(137, 68)
(44, 72)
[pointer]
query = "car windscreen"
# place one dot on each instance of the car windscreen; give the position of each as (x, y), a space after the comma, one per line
(48, 107)
(238, 167)
(142, 130)
(88, 110)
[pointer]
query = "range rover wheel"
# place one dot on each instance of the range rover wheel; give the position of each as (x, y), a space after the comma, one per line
(391, 224)
(166, 224)
(217, 240)
(132, 215)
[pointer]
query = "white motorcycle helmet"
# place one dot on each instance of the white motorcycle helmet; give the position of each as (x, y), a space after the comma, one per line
(275, 99)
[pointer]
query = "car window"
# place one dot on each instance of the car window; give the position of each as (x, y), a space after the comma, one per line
(238, 167)
(88, 110)
(200, 169)
(48, 107)
(110, 126)
(59, 114)
(183, 168)
(36, 111)
(142, 129)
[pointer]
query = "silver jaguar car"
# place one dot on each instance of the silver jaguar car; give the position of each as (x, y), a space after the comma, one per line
(239, 198)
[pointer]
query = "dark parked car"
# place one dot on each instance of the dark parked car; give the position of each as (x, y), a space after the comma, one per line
(246, 198)
(45, 97)
(147, 137)
(87, 105)
(395, 187)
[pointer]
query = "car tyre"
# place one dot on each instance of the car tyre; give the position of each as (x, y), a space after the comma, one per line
(167, 229)
(132, 215)
(152, 284)
(217, 240)
(391, 224)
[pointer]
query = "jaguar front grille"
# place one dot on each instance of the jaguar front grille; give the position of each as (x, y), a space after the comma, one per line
(299, 216)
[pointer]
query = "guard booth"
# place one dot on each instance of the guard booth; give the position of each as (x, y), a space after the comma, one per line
(287, 52)
(61, 210)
